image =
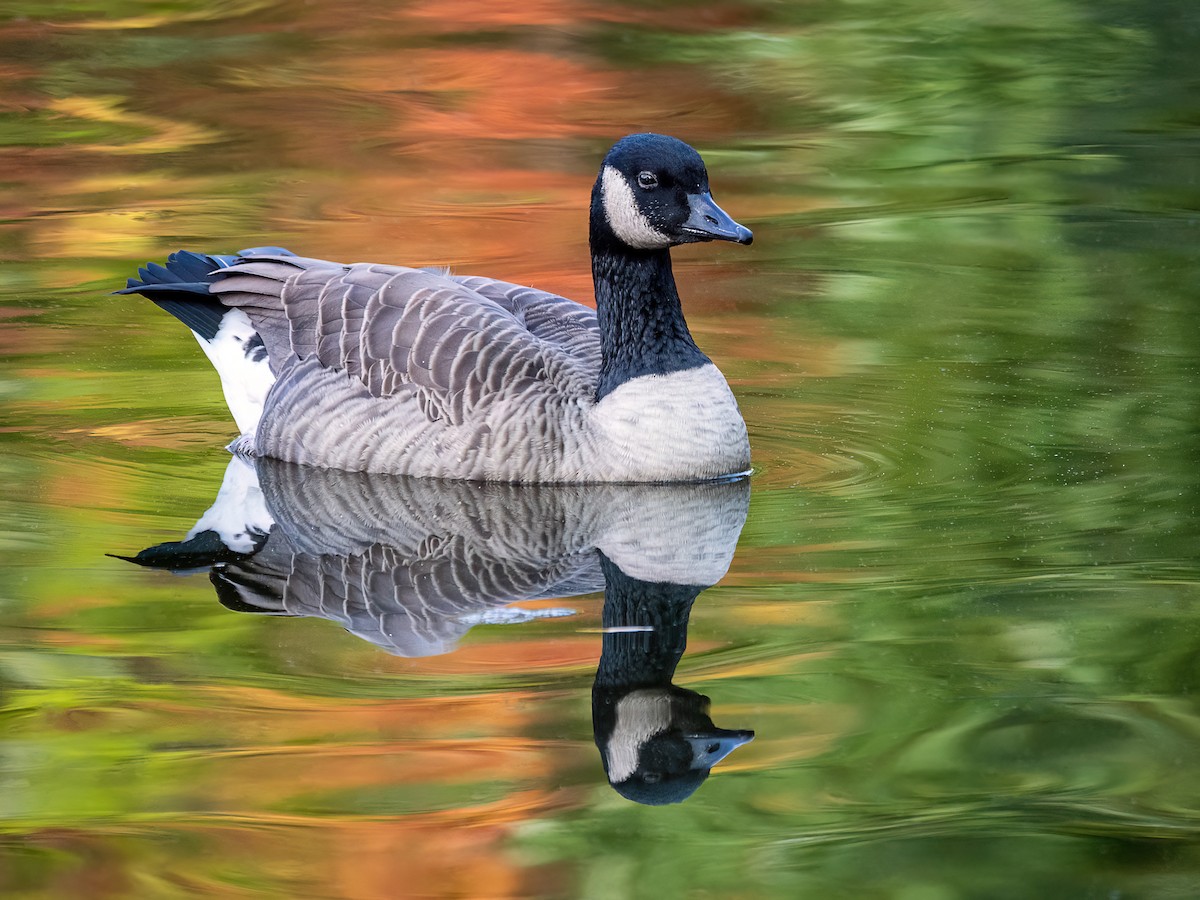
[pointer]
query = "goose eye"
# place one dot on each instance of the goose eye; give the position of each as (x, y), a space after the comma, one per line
(647, 180)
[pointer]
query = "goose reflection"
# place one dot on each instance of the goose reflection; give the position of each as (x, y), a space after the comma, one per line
(656, 740)
(412, 564)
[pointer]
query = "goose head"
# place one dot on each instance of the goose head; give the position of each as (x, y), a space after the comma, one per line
(652, 194)
(660, 744)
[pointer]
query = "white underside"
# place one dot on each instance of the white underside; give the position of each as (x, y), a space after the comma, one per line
(641, 535)
(244, 381)
(239, 514)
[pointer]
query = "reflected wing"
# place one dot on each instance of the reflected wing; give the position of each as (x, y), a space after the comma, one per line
(409, 564)
(407, 606)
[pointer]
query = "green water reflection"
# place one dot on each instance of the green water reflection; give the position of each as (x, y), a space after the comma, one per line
(964, 616)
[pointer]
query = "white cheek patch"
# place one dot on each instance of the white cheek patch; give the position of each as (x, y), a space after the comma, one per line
(640, 716)
(624, 217)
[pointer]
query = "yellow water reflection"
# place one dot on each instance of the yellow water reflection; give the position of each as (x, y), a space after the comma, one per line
(963, 615)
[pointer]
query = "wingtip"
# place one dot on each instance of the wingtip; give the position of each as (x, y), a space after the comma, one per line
(190, 271)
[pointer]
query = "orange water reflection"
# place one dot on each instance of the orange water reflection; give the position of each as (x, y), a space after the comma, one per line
(464, 134)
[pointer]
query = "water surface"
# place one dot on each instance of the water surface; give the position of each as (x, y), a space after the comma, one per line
(963, 616)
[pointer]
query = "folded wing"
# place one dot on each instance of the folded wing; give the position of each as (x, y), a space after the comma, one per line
(453, 344)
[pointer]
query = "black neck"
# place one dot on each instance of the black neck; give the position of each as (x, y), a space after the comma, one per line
(641, 658)
(642, 331)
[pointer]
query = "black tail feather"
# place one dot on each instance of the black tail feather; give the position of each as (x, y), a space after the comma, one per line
(185, 271)
(201, 314)
(189, 271)
(200, 552)
(181, 286)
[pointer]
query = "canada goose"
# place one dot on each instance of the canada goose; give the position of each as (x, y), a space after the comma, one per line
(388, 369)
(412, 564)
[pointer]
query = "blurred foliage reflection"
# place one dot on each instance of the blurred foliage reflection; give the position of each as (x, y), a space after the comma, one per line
(964, 617)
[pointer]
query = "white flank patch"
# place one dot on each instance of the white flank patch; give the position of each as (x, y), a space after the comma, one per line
(244, 381)
(240, 512)
(624, 217)
(640, 716)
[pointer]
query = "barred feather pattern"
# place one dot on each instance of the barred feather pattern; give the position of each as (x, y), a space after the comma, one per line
(408, 562)
(406, 371)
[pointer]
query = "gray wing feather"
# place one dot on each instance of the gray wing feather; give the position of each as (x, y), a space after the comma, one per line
(404, 562)
(453, 343)
(255, 285)
(565, 323)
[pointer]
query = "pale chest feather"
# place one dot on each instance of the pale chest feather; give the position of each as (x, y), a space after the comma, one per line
(659, 427)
